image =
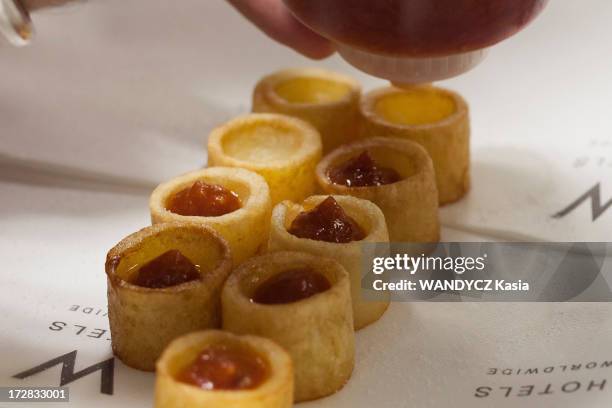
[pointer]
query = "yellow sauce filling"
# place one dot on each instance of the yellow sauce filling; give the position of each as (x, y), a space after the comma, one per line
(312, 90)
(415, 107)
(261, 143)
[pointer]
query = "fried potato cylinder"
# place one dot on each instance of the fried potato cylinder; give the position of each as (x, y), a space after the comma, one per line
(283, 149)
(276, 390)
(327, 100)
(436, 118)
(316, 331)
(371, 220)
(410, 205)
(245, 229)
(143, 320)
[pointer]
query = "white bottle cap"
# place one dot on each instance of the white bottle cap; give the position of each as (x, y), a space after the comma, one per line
(406, 70)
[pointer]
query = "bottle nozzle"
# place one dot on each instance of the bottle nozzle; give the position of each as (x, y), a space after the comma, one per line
(408, 71)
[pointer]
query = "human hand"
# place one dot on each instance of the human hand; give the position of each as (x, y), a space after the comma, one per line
(274, 19)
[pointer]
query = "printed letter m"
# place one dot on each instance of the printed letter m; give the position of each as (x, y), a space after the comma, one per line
(597, 208)
(106, 368)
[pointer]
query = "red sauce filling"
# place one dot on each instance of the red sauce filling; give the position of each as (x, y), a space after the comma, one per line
(362, 171)
(326, 222)
(224, 367)
(169, 269)
(291, 286)
(416, 27)
(204, 200)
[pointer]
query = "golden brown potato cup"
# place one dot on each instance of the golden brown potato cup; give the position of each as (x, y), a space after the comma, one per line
(437, 119)
(327, 100)
(317, 331)
(246, 229)
(143, 320)
(410, 206)
(275, 392)
(283, 149)
(369, 217)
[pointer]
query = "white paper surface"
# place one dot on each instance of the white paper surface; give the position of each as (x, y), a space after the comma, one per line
(114, 97)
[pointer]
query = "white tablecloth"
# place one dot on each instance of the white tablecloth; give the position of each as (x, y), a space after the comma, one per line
(114, 97)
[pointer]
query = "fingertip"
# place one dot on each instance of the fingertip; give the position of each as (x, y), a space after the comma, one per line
(302, 39)
(320, 52)
(274, 19)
